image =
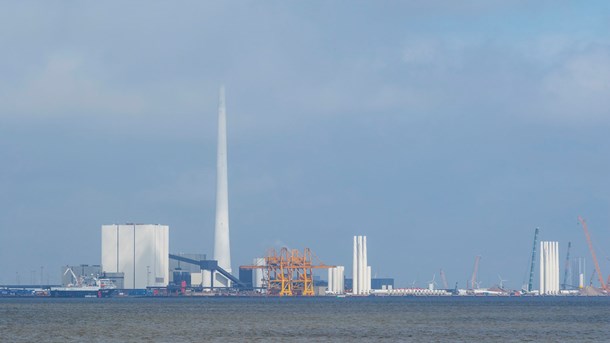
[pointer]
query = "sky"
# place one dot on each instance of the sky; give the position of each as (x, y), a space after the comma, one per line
(441, 130)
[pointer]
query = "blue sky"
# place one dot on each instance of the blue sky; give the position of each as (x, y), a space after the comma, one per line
(441, 130)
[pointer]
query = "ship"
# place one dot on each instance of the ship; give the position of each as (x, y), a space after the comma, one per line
(84, 287)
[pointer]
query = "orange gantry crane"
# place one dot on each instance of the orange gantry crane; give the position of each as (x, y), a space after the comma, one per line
(289, 273)
(597, 270)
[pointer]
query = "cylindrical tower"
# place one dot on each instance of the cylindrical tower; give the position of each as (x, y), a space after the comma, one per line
(542, 262)
(365, 265)
(355, 267)
(360, 266)
(222, 248)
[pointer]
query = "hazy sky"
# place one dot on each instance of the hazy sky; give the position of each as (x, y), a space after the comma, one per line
(442, 130)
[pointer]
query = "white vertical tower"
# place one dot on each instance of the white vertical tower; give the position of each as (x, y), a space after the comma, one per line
(355, 267)
(335, 280)
(581, 272)
(360, 266)
(549, 267)
(365, 283)
(361, 280)
(542, 267)
(222, 247)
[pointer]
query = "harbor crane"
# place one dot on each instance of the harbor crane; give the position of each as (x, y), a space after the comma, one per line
(597, 269)
(568, 268)
(77, 280)
(530, 283)
(289, 272)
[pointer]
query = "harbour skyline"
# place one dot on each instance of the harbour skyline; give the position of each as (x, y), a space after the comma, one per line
(440, 131)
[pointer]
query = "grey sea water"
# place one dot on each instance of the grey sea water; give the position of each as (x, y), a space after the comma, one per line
(306, 319)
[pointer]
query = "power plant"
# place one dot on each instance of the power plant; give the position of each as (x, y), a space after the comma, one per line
(136, 261)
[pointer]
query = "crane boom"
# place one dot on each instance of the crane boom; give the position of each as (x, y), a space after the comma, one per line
(76, 279)
(565, 274)
(597, 270)
(530, 283)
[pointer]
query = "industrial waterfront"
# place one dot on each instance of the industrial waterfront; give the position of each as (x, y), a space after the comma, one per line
(136, 261)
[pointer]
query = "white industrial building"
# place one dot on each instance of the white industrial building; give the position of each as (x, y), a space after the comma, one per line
(549, 267)
(361, 283)
(139, 251)
(336, 280)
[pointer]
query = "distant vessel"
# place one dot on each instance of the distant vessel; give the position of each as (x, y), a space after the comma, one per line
(84, 287)
(81, 292)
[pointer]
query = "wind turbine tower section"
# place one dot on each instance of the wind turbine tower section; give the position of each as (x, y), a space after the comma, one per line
(336, 280)
(549, 268)
(361, 280)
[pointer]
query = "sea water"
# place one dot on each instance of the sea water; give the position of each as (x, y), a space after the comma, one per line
(381, 319)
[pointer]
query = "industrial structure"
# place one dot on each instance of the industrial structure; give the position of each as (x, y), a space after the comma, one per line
(582, 266)
(136, 257)
(191, 273)
(549, 268)
(530, 283)
(209, 268)
(376, 283)
(593, 255)
(289, 272)
(258, 275)
(361, 269)
(567, 275)
(70, 275)
(139, 251)
(222, 246)
(336, 280)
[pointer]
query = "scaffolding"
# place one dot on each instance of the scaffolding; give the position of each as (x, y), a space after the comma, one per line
(289, 272)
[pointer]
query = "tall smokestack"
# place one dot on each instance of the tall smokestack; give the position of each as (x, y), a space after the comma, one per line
(222, 248)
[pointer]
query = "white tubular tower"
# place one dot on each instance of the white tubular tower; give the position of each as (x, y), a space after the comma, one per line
(355, 267)
(542, 265)
(365, 278)
(549, 268)
(360, 273)
(222, 248)
(361, 281)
